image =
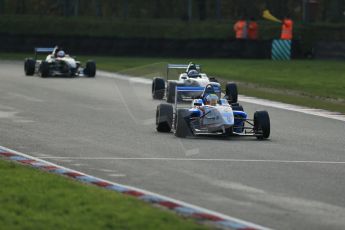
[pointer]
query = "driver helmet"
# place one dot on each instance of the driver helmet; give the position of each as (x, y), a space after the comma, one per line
(193, 73)
(212, 99)
(197, 103)
(60, 54)
(191, 66)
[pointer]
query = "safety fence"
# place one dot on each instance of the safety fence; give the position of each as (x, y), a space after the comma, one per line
(189, 48)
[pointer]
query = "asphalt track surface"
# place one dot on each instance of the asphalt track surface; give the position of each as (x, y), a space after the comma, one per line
(105, 127)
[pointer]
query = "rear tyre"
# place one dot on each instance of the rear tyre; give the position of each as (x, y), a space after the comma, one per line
(171, 91)
(29, 66)
(158, 88)
(231, 92)
(261, 124)
(182, 123)
(90, 69)
(213, 79)
(164, 118)
(237, 108)
(44, 69)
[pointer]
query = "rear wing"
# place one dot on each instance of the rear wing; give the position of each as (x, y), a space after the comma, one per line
(40, 50)
(186, 89)
(180, 66)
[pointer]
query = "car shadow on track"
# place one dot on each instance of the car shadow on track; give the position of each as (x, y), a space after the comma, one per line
(59, 77)
(207, 137)
(225, 138)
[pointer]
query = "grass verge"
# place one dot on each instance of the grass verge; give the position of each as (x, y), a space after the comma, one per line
(33, 199)
(312, 83)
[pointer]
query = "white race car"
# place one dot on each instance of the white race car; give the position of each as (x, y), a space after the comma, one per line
(57, 63)
(191, 78)
(215, 118)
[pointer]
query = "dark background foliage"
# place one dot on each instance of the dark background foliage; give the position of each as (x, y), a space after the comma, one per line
(304, 10)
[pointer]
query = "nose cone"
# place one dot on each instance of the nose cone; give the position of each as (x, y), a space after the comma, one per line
(71, 62)
(228, 118)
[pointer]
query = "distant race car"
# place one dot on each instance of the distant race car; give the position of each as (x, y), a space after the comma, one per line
(57, 63)
(192, 78)
(210, 115)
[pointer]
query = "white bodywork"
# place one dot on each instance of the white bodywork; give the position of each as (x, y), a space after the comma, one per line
(201, 81)
(67, 59)
(214, 118)
(218, 118)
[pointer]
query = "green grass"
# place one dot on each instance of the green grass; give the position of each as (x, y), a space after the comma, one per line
(313, 83)
(315, 78)
(316, 84)
(32, 199)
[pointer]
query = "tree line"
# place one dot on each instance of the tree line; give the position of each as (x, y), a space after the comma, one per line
(318, 10)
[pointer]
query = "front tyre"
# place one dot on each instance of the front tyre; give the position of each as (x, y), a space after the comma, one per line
(164, 118)
(90, 69)
(182, 123)
(158, 88)
(229, 132)
(29, 66)
(261, 124)
(44, 69)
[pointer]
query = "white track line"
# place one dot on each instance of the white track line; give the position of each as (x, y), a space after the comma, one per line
(242, 98)
(296, 108)
(192, 159)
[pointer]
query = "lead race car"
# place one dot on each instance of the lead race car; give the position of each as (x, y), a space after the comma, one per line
(210, 115)
(57, 63)
(192, 77)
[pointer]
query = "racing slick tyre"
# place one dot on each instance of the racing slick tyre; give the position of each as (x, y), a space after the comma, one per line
(213, 79)
(261, 124)
(237, 107)
(158, 88)
(228, 132)
(231, 92)
(164, 118)
(29, 66)
(90, 69)
(182, 123)
(44, 69)
(171, 90)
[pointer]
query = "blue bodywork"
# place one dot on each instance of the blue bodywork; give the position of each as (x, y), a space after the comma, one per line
(195, 112)
(239, 119)
(209, 89)
(189, 89)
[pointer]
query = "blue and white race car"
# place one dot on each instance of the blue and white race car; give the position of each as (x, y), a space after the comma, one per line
(191, 77)
(210, 115)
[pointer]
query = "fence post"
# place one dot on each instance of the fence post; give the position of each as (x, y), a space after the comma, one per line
(125, 8)
(218, 9)
(76, 7)
(189, 10)
(2, 6)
